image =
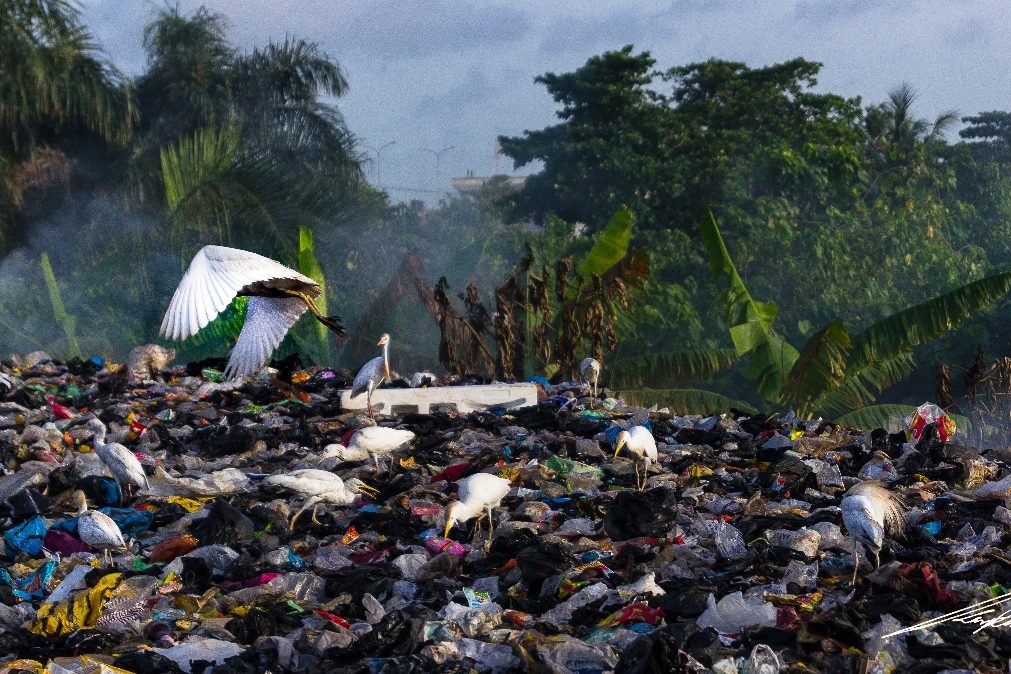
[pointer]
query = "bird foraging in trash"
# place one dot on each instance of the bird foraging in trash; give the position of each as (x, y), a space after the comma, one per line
(589, 369)
(641, 445)
(125, 467)
(97, 529)
(319, 486)
(372, 373)
(476, 494)
(373, 441)
(869, 512)
(278, 296)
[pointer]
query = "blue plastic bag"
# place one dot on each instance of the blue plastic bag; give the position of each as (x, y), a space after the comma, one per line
(26, 537)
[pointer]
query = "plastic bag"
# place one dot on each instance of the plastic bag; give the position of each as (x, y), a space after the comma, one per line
(733, 613)
(926, 414)
(729, 542)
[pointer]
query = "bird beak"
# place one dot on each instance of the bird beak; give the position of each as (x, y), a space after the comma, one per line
(621, 443)
(449, 525)
(368, 490)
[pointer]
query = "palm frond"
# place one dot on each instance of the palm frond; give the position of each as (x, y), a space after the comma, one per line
(926, 321)
(821, 367)
(610, 246)
(685, 400)
(662, 369)
(861, 388)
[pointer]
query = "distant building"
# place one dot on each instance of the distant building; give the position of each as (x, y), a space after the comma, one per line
(473, 185)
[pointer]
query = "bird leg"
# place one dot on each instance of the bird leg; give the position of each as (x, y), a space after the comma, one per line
(305, 506)
(856, 564)
(491, 531)
(637, 487)
(314, 507)
(369, 402)
(877, 560)
(332, 322)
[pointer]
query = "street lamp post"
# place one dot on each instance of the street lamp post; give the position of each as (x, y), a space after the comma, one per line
(438, 157)
(379, 178)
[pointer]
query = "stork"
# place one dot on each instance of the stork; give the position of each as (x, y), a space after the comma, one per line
(589, 369)
(476, 494)
(641, 446)
(319, 486)
(119, 460)
(869, 511)
(372, 373)
(96, 528)
(278, 296)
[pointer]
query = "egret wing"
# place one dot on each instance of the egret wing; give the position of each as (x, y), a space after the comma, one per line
(215, 276)
(268, 320)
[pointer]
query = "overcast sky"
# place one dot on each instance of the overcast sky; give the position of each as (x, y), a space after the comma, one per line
(458, 73)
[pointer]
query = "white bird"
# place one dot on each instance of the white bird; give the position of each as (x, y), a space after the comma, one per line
(476, 494)
(641, 446)
(373, 372)
(319, 486)
(419, 379)
(589, 368)
(371, 441)
(278, 296)
(120, 460)
(869, 511)
(96, 528)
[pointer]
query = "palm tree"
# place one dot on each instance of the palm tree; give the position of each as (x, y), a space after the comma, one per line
(893, 121)
(53, 80)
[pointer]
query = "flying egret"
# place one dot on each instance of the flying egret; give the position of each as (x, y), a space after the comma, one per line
(371, 441)
(96, 528)
(642, 446)
(373, 372)
(476, 494)
(278, 296)
(589, 368)
(319, 486)
(869, 510)
(120, 460)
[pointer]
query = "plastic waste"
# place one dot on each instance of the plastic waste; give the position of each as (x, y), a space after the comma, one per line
(733, 613)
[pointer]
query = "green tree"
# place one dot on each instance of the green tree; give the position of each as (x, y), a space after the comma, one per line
(54, 84)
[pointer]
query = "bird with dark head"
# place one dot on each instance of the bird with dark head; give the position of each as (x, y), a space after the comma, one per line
(870, 511)
(278, 296)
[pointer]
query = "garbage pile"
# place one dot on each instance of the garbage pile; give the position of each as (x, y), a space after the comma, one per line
(241, 552)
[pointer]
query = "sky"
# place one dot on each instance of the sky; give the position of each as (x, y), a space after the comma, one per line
(427, 76)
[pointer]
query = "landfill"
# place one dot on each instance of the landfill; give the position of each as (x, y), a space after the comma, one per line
(732, 558)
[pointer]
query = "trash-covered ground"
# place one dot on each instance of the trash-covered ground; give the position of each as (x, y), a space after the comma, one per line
(732, 559)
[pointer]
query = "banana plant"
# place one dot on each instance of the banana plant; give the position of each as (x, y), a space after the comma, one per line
(839, 373)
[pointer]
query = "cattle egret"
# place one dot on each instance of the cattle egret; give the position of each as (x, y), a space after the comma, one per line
(371, 441)
(278, 296)
(869, 511)
(373, 372)
(590, 371)
(319, 486)
(641, 445)
(96, 528)
(120, 460)
(476, 494)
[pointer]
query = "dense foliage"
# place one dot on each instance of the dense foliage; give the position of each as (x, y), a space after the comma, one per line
(836, 214)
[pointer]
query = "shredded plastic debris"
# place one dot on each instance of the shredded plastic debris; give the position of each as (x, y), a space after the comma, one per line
(732, 556)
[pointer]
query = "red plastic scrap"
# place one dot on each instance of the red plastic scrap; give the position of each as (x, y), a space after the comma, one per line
(59, 411)
(335, 619)
(923, 575)
(787, 618)
(452, 473)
